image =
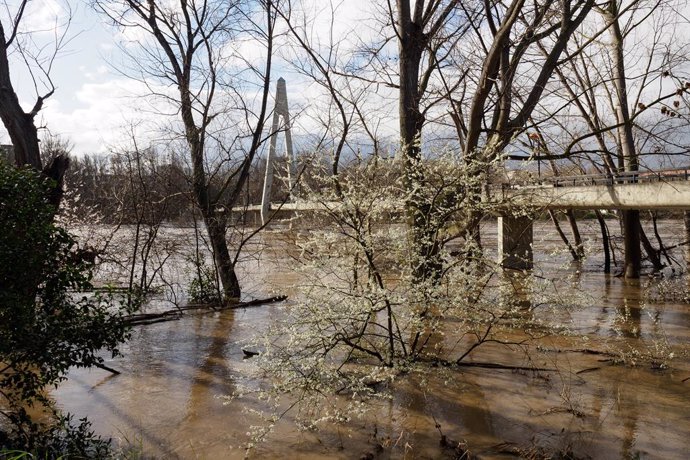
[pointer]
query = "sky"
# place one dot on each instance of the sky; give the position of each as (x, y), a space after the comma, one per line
(94, 106)
(90, 99)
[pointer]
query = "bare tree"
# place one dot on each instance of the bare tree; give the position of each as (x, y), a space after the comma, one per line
(619, 89)
(19, 123)
(188, 47)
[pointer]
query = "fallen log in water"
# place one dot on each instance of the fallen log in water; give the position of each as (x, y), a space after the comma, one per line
(506, 367)
(143, 319)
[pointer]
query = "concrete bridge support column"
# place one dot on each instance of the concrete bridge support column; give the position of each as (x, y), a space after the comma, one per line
(515, 242)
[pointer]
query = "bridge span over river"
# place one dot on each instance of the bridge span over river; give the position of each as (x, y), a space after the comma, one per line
(655, 190)
(663, 189)
(667, 189)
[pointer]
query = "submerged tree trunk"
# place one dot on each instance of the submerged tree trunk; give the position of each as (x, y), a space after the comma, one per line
(631, 243)
(662, 249)
(579, 247)
(221, 255)
(605, 241)
(185, 52)
(652, 253)
(686, 224)
(557, 224)
(578, 251)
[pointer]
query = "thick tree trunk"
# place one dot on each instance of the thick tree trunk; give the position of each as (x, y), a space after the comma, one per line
(19, 125)
(221, 255)
(411, 119)
(686, 222)
(22, 130)
(631, 218)
(215, 223)
(631, 243)
(214, 219)
(411, 46)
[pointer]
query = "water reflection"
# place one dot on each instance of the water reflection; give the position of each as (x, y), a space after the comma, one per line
(173, 373)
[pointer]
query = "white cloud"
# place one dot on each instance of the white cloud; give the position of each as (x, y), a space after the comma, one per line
(103, 112)
(45, 16)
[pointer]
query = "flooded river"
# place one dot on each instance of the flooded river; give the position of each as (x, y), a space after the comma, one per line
(167, 399)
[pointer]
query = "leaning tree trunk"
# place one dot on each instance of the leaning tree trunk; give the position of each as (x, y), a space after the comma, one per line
(214, 219)
(22, 130)
(215, 223)
(653, 255)
(686, 222)
(578, 250)
(577, 238)
(605, 241)
(19, 124)
(557, 225)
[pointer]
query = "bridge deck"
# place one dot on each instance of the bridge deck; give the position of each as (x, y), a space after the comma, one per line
(665, 189)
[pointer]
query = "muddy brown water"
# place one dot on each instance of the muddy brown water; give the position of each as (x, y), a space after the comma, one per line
(167, 399)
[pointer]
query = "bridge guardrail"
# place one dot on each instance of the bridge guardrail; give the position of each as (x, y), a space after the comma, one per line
(627, 177)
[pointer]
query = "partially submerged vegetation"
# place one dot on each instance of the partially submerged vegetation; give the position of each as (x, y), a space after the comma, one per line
(398, 283)
(50, 321)
(364, 318)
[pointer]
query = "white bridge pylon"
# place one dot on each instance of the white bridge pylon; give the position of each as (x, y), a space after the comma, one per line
(280, 111)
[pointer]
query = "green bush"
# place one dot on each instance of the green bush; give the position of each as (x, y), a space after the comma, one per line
(49, 320)
(204, 288)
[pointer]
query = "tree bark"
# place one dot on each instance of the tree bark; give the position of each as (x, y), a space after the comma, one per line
(19, 124)
(411, 44)
(605, 241)
(21, 127)
(186, 41)
(557, 224)
(223, 262)
(686, 222)
(579, 247)
(631, 218)
(653, 254)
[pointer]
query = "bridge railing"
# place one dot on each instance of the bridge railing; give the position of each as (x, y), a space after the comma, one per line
(627, 177)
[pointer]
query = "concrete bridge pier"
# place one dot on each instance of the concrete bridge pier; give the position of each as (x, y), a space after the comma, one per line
(515, 237)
